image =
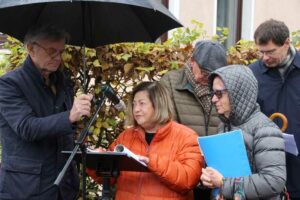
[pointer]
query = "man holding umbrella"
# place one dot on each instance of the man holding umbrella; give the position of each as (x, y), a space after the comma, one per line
(37, 116)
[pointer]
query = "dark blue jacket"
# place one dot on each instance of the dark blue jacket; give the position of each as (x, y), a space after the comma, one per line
(283, 95)
(35, 128)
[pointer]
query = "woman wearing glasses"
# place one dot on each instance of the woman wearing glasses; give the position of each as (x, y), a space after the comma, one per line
(234, 94)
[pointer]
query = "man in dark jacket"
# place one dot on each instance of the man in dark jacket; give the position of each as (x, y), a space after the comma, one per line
(278, 75)
(189, 90)
(37, 113)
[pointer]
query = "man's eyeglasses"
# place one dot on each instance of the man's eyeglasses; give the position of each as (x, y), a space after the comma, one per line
(52, 52)
(267, 53)
(270, 52)
(218, 93)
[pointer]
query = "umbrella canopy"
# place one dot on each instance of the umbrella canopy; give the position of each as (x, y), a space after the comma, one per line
(90, 22)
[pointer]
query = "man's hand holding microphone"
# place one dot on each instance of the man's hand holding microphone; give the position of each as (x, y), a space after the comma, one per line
(81, 107)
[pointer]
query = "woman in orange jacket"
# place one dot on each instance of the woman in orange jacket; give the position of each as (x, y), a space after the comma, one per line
(170, 150)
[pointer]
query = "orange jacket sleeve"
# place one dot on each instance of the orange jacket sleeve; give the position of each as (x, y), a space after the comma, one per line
(183, 173)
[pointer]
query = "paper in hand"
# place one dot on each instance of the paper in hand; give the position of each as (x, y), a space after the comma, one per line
(290, 144)
(122, 149)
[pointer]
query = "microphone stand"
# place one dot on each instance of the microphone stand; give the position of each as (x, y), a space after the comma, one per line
(80, 143)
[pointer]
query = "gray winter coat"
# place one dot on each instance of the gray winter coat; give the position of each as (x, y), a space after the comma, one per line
(187, 106)
(263, 139)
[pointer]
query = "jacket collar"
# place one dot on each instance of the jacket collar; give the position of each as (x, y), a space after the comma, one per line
(161, 133)
(33, 71)
(183, 83)
(36, 74)
(296, 63)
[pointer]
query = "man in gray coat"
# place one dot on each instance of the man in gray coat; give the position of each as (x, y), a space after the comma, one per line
(234, 94)
(189, 90)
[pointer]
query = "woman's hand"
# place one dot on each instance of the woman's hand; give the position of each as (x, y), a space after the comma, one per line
(211, 178)
(99, 149)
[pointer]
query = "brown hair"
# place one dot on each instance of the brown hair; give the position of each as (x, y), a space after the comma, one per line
(271, 30)
(160, 99)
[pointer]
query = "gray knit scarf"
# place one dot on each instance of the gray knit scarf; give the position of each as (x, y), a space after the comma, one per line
(201, 91)
(284, 67)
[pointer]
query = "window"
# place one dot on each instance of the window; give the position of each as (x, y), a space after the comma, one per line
(229, 14)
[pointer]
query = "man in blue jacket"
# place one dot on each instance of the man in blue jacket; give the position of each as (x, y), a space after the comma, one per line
(37, 116)
(278, 75)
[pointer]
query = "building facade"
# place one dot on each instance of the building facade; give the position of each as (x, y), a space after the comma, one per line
(241, 16)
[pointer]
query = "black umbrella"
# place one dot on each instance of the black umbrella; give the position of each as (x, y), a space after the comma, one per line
(90, 22)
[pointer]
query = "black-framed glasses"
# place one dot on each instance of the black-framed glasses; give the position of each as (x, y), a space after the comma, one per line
(52, 52)
(218, 93)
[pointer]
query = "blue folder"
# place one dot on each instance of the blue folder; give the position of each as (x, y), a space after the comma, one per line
(226, 153)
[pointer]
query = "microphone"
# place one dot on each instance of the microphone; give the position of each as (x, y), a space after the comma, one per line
(112, 96)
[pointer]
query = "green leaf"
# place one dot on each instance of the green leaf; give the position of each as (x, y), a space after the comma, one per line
(126, 57)
(96, 63)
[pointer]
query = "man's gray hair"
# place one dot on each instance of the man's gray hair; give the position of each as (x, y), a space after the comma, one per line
(49, 32)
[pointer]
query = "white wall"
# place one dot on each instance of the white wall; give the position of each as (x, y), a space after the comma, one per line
(247, 19)
(283, 10)
(201, 10)
(254, 13)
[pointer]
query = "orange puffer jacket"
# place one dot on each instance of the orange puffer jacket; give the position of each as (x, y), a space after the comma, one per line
(175, 164)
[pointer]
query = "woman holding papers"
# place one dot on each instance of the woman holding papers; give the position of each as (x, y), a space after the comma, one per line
(234, 94)
(169, 150)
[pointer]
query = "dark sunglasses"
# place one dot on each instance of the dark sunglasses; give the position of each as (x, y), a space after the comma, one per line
(218, 93)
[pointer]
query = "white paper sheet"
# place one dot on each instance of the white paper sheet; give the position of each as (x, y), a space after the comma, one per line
(290, 144)
(123, 149)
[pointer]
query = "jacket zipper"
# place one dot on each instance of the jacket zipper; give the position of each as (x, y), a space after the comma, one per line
(141, 177)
